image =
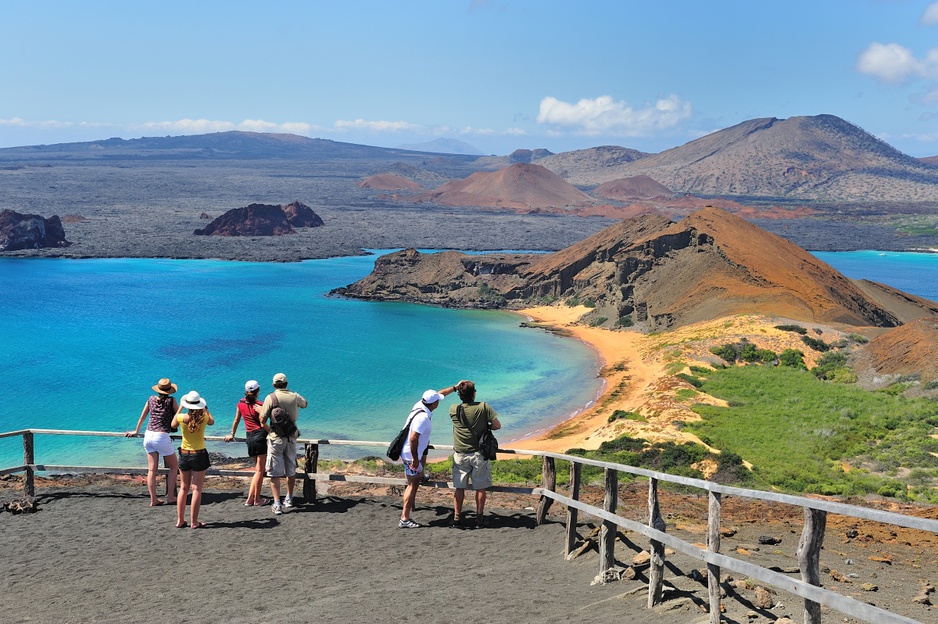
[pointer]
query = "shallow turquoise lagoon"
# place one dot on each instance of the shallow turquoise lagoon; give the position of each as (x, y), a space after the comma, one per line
(83, 341)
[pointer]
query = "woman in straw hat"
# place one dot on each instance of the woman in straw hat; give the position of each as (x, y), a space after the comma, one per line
(193, 456)
(156, 441)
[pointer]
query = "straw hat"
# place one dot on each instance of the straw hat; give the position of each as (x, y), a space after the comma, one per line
(165, 386)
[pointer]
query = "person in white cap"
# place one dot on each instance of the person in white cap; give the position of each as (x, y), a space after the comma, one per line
(414, 453)
(281, 450)
(249, 409)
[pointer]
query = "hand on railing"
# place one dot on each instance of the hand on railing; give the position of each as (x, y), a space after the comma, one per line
(131, 434)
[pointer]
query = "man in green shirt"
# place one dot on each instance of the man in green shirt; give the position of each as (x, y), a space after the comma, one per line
(470, 469)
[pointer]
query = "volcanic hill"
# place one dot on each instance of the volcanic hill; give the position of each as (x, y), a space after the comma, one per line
(812, 158)
(521, 187)
(651, 273)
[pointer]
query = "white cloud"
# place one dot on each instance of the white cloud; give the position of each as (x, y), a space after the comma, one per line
(18, 122)
(378, 126)
(890, 62)
(605, 115)
(930, 16)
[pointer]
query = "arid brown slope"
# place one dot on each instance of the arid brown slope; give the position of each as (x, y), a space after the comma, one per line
(655, 273)
(520, 187)
(636, 187)
(819, 157)
(389, 182)
(909, 350)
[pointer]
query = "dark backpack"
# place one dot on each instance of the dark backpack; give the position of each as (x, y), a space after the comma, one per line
(280, 421)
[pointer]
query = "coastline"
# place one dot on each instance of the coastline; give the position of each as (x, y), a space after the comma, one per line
(624, 371)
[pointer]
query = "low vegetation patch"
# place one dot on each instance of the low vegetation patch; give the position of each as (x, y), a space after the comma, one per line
(804, 435)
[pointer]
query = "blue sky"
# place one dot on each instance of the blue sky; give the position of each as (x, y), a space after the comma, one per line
(497, 74)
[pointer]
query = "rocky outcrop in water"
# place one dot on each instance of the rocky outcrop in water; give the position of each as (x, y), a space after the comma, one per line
(28, 231)
(651, 273)
(262, 220)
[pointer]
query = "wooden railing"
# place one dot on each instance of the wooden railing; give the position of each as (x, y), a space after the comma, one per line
(808, 553)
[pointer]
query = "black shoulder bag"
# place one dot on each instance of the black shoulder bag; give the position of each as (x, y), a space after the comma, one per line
(486, 443)
(397, 445)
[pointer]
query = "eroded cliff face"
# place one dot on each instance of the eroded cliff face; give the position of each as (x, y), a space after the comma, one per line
(29, 231)
(646, 272)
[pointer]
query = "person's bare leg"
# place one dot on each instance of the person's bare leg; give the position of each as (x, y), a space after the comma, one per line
(198, 478)
(410, 496)
(480, 505)
(172, 477)
(181, 498)
(153, 464)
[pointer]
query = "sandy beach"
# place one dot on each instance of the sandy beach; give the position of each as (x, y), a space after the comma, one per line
(638, 373)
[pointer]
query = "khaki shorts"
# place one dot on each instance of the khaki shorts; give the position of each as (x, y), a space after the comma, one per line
(472, 471)
(281, 458)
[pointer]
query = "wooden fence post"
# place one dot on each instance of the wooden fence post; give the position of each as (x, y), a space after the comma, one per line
(311, 467)
(575, 469)
(607, 537)
(656, 571)
(29, 458)
(548, 482)
(713, 545)
(809, 557)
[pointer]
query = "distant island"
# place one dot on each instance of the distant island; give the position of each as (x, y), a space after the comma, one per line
(819, 182)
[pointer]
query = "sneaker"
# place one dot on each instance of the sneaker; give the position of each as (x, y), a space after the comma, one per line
(288, 502)
(407, 524)
(278, 509)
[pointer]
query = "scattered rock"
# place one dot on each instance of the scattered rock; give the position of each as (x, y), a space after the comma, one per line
(641, 559)
(767, 539)
(764, 598)
(840, 578)
(877, 559)
(869, 587)
(727, 532)
(204, 215)
(29, 231)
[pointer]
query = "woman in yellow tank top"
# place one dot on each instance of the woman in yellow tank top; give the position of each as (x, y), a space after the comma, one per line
(193, 456)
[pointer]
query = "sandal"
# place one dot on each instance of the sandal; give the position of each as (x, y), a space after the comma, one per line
(456, 524)
(263, 501)
(199, 525)
(181, 526)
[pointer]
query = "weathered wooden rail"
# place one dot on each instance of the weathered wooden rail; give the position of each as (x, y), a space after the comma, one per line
(808, 553)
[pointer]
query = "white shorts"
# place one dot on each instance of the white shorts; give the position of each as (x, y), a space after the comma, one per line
(157, 442)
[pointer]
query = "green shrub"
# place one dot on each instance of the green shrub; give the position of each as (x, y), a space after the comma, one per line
(625, 321)
(798, 329)
(726, 352)
(793, 358)
(694, 381)
(814, 343)
(624, 415)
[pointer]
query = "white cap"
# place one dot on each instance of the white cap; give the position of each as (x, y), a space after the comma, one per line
(251, 386)
(432, 396)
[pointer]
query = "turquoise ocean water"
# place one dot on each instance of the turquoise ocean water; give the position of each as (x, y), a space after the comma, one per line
(83, 341)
